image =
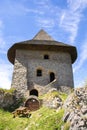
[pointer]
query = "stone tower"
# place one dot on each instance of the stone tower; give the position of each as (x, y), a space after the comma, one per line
(40, 63)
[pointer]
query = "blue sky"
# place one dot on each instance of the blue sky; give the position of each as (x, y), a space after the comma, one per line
(64, 20)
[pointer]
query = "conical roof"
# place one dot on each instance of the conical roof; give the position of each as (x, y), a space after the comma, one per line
(42, 35)
(42, 41)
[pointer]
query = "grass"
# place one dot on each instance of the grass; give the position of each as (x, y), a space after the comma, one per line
(47, 119)
(42, 119)
(7, 122)
(53, 94)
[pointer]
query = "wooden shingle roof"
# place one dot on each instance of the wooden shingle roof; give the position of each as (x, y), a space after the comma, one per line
(42, 41)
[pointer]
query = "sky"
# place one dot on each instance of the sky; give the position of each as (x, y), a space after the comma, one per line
(64, 20)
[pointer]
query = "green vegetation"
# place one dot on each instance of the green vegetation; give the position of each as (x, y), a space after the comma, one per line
(42, 119)
(46, 119)
(10, 91)
(7, 122)
(66, 126)
(53, 94)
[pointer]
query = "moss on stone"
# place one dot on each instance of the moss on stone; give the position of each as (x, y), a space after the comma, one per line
(11, 90)
(66, 126)
(53, 94)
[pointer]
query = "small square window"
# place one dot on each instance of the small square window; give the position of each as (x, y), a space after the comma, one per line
(46, 56)
(39, 72)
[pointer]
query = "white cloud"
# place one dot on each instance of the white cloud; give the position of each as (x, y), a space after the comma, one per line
(77, 5)
(1, 24)
(51, 16)
(48, 16)
(69, 22)
(83, 56)
(12, 8)
(2, 41)
(46, 23)
(5, 75)
(5, 69)
(3, 45)
(36, 11)
(71, 17)
(42, 2)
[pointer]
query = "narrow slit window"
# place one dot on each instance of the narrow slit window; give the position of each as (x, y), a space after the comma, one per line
(39, 72)
(46, 56)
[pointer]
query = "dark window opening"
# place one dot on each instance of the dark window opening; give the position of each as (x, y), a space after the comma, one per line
(39, 72)
(52, 76)
(46, 56)
(34, 92)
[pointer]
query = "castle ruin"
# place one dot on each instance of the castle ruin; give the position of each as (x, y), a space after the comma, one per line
(41, 61)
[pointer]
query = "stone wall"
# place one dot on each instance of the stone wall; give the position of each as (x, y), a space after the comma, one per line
(10, 99)
(19, 79)
(27, 63)
(76, 109)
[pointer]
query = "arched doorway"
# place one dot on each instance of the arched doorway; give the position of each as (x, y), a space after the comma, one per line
(34, 92)
(52, 76)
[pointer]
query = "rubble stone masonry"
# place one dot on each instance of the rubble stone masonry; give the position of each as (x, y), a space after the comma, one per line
(27, 62)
